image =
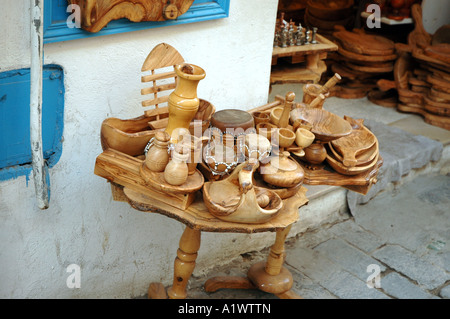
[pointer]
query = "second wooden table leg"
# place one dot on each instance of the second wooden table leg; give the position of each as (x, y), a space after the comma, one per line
(184, 262)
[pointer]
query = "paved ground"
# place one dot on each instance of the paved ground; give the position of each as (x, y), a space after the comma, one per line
(399, 243)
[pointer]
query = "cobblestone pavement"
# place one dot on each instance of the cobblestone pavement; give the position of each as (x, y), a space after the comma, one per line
(398, 243)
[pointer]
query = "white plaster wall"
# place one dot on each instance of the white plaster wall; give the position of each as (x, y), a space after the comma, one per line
(435, 13)
(120, 250)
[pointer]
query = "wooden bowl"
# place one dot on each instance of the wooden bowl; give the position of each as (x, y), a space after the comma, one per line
(304, 137)
(261, 117)
(326, 126)
(275, 115)
(285, 137)
(266, 130)
(126, 136)
(330, 10)
(130, 136)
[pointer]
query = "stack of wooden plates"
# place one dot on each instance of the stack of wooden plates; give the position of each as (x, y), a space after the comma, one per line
(356, 153)
(362, 59)
(422, 73)
(325, 14)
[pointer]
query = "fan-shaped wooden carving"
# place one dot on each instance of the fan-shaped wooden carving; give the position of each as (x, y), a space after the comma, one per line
(96, 14)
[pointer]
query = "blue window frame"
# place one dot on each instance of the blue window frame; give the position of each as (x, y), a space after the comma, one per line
(55, 18)
(15, 146)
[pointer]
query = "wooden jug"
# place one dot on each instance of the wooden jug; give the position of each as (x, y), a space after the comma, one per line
(176, 171)
(158, 154)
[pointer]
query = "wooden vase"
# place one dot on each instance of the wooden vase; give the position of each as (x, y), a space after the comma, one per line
(183, 101)
(158, 154)
(176, 171)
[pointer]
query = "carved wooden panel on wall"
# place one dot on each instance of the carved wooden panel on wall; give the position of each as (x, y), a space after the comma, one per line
(96, 14)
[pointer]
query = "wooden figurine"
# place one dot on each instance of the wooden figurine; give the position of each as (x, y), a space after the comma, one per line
(96, 14)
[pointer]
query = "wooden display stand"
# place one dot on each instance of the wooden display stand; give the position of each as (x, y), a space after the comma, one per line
(294, 72)
(270, 276)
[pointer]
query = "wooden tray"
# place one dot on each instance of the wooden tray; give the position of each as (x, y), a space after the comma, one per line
(366, 58)
(156, 180)
(345, 170)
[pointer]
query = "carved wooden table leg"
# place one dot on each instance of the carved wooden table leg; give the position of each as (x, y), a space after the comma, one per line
(184, 262)
(183, 267)
(269, 276)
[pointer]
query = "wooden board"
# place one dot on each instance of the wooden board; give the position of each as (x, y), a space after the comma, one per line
(361, 43)
(124, 170)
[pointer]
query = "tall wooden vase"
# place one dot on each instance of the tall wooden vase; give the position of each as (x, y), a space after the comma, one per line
(183, 101)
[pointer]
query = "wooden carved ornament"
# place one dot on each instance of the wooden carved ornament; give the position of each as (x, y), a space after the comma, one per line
(96, 14)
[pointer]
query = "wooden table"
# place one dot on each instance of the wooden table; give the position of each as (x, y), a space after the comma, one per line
(123, 172)
(313, 54)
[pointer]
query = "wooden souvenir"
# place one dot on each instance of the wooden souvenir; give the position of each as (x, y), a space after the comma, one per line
(358, 41)
(96, 14)
(124, 170)
(381, 68)
(311, 93)
(266, 130)
(183, 101)
(326, 126)
(363, 158)
(130, 136)
(256, 146)
(360, 183)
(324, 24)
(261, 117)
(236, 199)
(331, 10)
(158, 154)
(419, 37)
(176, 172)
(232, 120)
(352, 56)
(304, 137)
(383, 98)
(439, 51)
(193, 145)
(308, 72)
(346, 170)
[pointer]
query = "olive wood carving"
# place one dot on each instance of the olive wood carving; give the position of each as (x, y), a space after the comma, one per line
(96, 14)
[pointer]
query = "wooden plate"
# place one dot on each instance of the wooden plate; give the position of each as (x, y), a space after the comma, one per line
(366, 58)
(156, 180)
(341, 169)
(352, 145)
(362, 159)
(358, 41)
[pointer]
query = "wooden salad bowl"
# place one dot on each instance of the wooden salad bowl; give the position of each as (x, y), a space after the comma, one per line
(130, 136)
(326, 126)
